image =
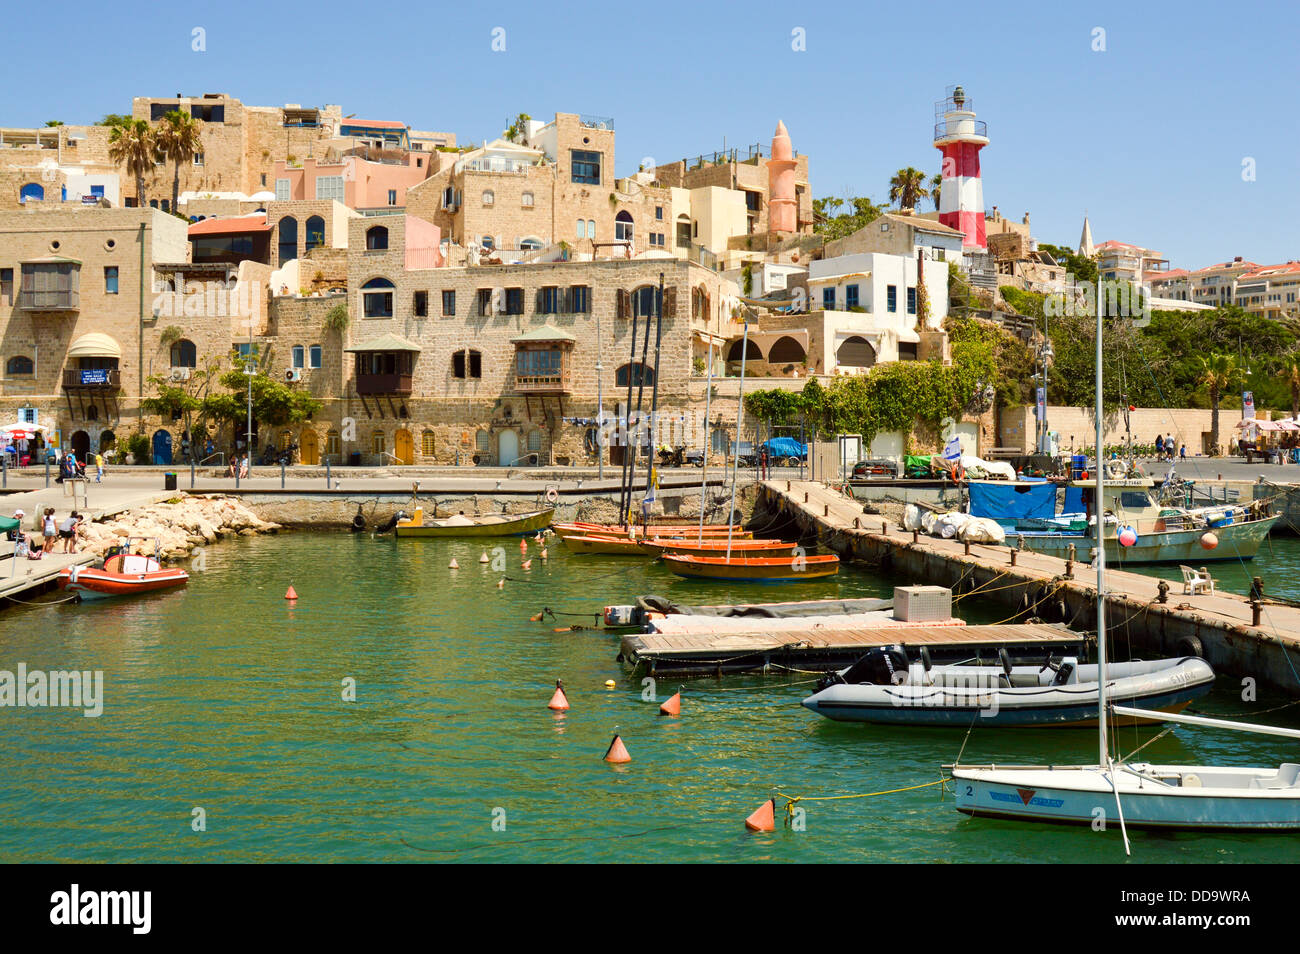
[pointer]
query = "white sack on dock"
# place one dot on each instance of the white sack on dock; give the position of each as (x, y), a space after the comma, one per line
(949, 525)
(983, 530)
(912, 517)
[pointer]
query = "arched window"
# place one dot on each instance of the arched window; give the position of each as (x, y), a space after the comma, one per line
(313, 356)
(489, 243)
(752, 353)
(107, 441)
(643, 301)
(582, 228)
(20, 364)
(153, 203)
(623, 226)
(526, 200)
(32, 190)
(489, 197)
(638, 372)
(376, 238)
(427, 444)
(315, 232)
(332, 443)
(591, 228)
(530, 243)
(699, 303)
(377, 298)
(299, 356)
(184, 354)
(481, 442)
(786, 350)
(856, 352)
(288, 228)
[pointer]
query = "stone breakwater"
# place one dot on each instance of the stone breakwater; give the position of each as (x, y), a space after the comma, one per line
(181, 526)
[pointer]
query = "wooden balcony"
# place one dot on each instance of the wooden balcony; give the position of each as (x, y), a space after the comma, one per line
(93, 380)
(370, 384)
(543, 383)
(56, 300)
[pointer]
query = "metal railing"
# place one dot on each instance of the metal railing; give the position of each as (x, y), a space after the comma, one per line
(963, 127)
(597, 122)
(221, 454)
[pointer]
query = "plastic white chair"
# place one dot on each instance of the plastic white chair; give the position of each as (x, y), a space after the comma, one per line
(1196, 581)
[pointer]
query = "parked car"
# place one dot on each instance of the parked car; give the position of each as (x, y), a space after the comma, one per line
(875, 469)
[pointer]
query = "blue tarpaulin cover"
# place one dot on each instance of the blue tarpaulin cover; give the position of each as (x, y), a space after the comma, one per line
(1013, 501)
(1073, 501)
(785, 447)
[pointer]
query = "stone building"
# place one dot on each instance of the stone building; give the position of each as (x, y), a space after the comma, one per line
(81, 325)
(56, 164)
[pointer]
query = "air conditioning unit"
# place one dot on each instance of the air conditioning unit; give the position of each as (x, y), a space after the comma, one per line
(293, 374)
(180, 374)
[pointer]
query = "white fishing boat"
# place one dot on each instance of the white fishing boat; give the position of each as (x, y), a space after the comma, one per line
(1197, 797)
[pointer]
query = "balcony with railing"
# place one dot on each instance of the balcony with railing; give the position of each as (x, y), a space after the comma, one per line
(60, 299)
(97, 379)
(381, 384)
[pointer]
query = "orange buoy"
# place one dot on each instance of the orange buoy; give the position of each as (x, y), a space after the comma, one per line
(453, 565)
(559, 701)
(617, 751)
(673, 705)
(501, 583)
(544, 553)
(535, 618)
(290, 594)
(763, 818)
(523, 544)
(484, 558)
(527, 564)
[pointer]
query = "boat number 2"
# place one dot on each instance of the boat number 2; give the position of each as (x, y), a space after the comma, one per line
(969, 791)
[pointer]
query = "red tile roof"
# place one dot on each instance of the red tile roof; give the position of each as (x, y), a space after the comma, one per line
(1171, 273)
(1234, 264)
(1268, 271)
(231, 225)
(375, 123)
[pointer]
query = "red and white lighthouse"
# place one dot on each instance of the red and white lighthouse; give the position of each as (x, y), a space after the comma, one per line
(960, 137)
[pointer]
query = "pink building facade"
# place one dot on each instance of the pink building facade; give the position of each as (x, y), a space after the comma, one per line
(356, 182)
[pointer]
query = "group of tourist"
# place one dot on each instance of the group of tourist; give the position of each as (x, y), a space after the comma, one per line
(1167, 448)
(52, 530)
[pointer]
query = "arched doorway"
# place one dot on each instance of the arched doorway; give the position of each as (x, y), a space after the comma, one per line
(740, 347)
(507, 448)
(288, 239)
(107, 442)
(162, 447)
(856, 352)
(309, 447)
(786, 350)
(404, 446)
(81, 445)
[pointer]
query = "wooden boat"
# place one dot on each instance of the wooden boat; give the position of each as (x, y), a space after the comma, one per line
(657, 546)
(607, 545)
(661, 530)
(477, 525)
(123, 574)
(1060, 693)
(753, 569)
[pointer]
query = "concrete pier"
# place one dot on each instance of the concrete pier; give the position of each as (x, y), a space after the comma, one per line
(1239, 637)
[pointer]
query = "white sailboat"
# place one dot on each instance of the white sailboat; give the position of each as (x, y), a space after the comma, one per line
(1139, 793)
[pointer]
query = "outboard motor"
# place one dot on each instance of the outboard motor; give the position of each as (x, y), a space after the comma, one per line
(880, 667)
(390, 523)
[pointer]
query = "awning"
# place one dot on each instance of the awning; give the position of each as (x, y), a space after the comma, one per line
(1284, 425)
(95, 345)
(385, 343)
(544, 333)
(816, 279)
(908, 334)
(231, 225)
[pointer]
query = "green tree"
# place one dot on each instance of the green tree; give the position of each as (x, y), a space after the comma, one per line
(830, 224)
(53, 122)
(907, 188)
(185, 399)
(178, 139)
(115, 119)
(936, 189)
(1219, 372)
(515, 132)
(275, 402)
(1083, 269)
(133, 145)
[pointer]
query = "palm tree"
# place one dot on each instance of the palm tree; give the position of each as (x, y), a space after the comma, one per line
(908, 188)
(1292, 370)
(178, 140)
(1219, 373)
(132, 145)
(936, 187)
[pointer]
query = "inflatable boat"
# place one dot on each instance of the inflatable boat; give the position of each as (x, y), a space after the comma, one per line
(885, 687)
(123, 574)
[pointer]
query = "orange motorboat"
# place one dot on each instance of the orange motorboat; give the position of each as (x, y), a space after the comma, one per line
(753, 569)
(122, 575)
(662, 530)
(658, 546)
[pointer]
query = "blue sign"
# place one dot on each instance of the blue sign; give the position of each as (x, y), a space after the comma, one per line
(95, 376)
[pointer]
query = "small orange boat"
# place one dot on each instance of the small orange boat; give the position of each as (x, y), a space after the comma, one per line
(123, 574)
(753, 569)
(654, 530)
(657, 546)
(608, 545)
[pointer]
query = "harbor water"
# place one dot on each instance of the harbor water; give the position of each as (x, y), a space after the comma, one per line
(227, 698)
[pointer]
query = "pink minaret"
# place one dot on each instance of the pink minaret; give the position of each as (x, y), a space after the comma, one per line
(782, 208)
(960, 137)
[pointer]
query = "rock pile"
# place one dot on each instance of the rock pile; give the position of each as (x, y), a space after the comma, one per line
(180, 527)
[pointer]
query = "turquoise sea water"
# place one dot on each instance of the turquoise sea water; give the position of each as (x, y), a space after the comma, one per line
(227, 698)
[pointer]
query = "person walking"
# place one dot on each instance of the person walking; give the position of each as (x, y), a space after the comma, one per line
(1160, 447)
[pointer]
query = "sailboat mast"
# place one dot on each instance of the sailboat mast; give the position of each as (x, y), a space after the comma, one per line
(704, 468)
(1099, 509)
(624, 489)
(740, 417)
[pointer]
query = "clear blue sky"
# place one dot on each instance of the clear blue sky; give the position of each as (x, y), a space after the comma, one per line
(1148, 136)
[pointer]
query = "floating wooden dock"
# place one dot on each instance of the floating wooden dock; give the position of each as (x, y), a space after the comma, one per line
(33, 577)
(1237, 635)
(822, 650)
